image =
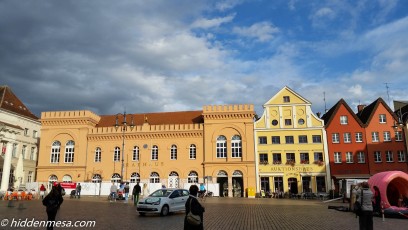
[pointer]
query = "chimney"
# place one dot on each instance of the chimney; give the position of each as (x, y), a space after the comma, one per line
(318, 114)
(360, 108)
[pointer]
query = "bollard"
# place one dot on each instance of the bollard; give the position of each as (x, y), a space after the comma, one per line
(382, 212)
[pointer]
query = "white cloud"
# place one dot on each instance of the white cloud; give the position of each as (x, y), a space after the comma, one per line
(261, 31)
(227, 4)
(214, 22)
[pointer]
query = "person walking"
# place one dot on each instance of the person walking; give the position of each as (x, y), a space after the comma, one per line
(52, 202)
(78, 190)
(365, 196)
(136, 193)
(126, 190)
(113, 191)
(193, 205)
(145, 191)
(42, 191)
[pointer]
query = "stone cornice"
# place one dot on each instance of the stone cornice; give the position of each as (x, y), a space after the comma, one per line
(139, 136)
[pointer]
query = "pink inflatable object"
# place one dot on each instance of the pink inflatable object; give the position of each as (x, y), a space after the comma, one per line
(392, 185)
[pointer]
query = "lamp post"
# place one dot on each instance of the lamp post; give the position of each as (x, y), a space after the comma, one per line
(124, 128)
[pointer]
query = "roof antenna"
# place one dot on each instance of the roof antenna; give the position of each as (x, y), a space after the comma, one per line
(324, 99)
(388, 93)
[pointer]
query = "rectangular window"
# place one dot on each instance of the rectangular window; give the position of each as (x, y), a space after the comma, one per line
(23, 152)
(221, 149)
(304, 158)
(35, 134)
(374, 137)
(343, 120)
(286, 99)
(98, 155)
(262, 140)
(32, 153)
(288, 121)
(387, 136)
(398, 136)
(359, 137)
(317, 138)
(347, 137)
(263, 158)
(335, 138)
(303, 139)
(360, 157)
(69, 154)
(277, 158)
(401, 156)
(14, 151)
(193, 152)
(377, 156)
(337, 157)
(382, 118)
(389, 157)
(349, 157)
(30, 176)
(135, 156)
(290, 157)
(289, 139)
(236, 148)
(318, 156)
(275, 139)
(25, 132)
(173, 153)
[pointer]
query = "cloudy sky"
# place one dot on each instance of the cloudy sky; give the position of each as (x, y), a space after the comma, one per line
(176, 55)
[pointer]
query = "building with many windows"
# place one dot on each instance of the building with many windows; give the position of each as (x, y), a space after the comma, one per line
(291, 147)
(19, 136)
(173, 149)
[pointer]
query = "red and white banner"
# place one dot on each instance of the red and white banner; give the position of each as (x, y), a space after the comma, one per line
(68, 185)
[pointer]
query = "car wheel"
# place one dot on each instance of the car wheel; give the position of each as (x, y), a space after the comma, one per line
(142, 214)
(165, 210)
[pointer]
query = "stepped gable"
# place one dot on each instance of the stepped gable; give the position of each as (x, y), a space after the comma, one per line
(10, 102)
(329, 115)
(163, 118)
(367, 113)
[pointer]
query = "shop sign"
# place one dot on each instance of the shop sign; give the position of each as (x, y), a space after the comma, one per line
(68, 185)
(291, 169)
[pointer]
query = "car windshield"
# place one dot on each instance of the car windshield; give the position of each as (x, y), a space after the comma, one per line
(161, 193)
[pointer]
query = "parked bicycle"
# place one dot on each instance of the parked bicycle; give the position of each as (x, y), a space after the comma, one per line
(204, 195)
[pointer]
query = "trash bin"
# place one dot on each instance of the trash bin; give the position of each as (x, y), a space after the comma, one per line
(251, 192)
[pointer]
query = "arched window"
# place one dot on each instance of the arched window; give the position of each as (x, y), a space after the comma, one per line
(98, 154)
(173, 180)
(192, 177)
(96, 178)
(155, 152)
(135, 156)
(115, 177)
(67, 178)
(116, 154)
(154, 177)
(69, 152)
(193, 151)
(55, 152)
(134, 177)
(173, 152)
(221, 147)
(51, 180)
(236, 146)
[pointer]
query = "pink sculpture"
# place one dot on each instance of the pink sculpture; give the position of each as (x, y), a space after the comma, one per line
(392, 186)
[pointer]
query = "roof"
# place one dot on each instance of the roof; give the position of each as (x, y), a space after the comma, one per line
(163, 118)
(11, 103)
(329, 115)
(367, 113)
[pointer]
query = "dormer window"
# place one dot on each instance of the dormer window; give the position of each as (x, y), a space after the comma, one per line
(343, 120)
(286, 99)
(383, 118)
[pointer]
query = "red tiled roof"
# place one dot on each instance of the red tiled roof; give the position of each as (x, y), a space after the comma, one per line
(164, 118)
(10, 102)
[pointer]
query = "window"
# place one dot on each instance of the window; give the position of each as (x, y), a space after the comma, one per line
(69, 152)
(26, 132)
(134, 177)
(155, 152)
(377, 156)
(192, 177)
(337, 157)
(275, 139)
(236, 147)
(154, 177)
(401, 156)
(14, 151)
(389, 157)
(32, 153)
(55, 152)
(286, 99)
(221, 147)
(274, 122)
(398, 136)
(335, 138)
(262, 140)
(347, 137)
(115, 178)
(97, 178)
(193, 151)
(343, 120)
(263, 158)
(23, 152)
(135, 156)
(349, 157)
(98, 154)
(360, 157)
(288, 121)
(301, 121)
(321, 184)
(359, 137)
(116, 154)
(277, 158)
(30, 176)
(374, 136)
(387, 136)
(67, 178)
(173, 152)
(318, 156)
(290, 157)
(317, 139)
(289, 139)
(383, 118)
(35, 134)
(302, 139)
(304, 158)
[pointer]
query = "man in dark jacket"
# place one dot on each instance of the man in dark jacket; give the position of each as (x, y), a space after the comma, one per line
(136, 193)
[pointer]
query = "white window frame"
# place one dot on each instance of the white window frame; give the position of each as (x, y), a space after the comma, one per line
(98, 154)
(335, 138)
(236, 147)
(192, 177)
(387, 136)
(135, 155)
(193, 151)
(337, 157)
(398, 136)
(55, 152)
(382, 118)
(349, 157)
(347, 137)
(23, 151)
(389, 156)
(155, 153)
(401, 156)
(69, 152)
(32, 153)
(116, 154)
(173, 152)
(375, 137)
(343, 120)
(154, 178)
(361, 157)
(377, 156)
(221, 148)
(359, 137)
(30, 176)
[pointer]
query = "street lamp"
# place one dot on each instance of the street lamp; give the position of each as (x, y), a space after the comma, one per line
(124, 128)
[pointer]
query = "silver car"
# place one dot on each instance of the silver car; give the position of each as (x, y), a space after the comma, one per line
(163, 201)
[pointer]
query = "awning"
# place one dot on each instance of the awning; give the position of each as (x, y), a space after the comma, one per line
(352, 176)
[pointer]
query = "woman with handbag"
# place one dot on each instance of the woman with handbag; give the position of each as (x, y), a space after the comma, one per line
(364, 196)
(194, 211)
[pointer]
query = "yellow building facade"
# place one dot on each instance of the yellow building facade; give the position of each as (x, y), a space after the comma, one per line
(291, 149)
(174, 149)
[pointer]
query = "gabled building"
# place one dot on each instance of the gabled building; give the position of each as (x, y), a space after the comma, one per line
(19, 136)
(401, 111)
(290, 147)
